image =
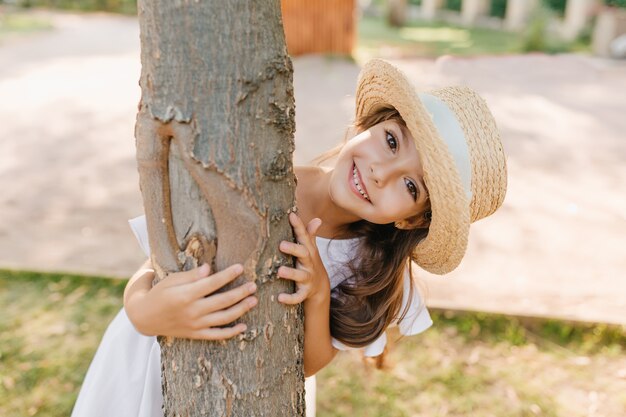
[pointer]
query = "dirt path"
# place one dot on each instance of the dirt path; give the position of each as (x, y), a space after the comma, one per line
(556, 248)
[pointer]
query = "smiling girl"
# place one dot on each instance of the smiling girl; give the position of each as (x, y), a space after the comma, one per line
(416, 171)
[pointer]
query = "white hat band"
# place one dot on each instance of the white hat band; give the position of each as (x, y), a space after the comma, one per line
(452, 134)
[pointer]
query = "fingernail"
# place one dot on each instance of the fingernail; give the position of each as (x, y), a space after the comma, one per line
(238, 269)
(204, 269)
(252, 287)
(243, 327)
(252, 302)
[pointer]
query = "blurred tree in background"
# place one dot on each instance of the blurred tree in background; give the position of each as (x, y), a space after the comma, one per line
(453, 4)
(498, 8)
(557, 6)
(616, 3)
(117, 6)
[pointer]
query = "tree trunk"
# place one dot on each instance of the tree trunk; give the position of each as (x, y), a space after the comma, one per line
(214, 148)
(396, 12)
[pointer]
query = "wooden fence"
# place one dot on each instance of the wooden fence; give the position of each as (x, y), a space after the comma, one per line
(319, 26)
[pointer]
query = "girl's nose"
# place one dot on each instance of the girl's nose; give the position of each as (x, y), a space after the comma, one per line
(380, 173)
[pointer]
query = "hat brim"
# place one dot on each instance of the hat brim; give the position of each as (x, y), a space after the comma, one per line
(441, 251)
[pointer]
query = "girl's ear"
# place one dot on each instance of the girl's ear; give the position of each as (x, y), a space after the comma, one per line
(419, 221)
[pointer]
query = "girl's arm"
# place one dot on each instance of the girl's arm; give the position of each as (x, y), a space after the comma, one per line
(313, 287)
(184, 304)
(318, 348)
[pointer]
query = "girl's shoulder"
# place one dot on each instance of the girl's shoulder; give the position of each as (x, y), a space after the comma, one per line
(310, 175)
(312, 170)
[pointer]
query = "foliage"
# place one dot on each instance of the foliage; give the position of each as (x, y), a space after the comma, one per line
(498, 8)
(453, 5)
(538, 38)
(535, 35)
(616, 3)
(557, 6)
(116, 6)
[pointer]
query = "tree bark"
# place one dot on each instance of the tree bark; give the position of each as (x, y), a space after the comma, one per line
(396, 12)
(214, 149)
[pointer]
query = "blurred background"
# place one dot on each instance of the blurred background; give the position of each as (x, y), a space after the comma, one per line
(531, 323)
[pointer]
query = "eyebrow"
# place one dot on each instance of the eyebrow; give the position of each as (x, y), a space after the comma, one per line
(405, 142)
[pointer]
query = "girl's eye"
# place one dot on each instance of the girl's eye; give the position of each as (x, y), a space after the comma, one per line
(410, 185)
(391, 141)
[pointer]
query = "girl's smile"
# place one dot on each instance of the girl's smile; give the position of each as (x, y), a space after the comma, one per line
(357, 185)
(381, 175)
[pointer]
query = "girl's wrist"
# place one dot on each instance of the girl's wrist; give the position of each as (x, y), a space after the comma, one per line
(320, 297)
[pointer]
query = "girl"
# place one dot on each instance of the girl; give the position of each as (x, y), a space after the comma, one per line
(418, 170)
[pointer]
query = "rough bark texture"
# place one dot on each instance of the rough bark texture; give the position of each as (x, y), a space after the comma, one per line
(214, 147)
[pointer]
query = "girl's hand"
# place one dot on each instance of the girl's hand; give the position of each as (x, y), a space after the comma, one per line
(310, 274)
(184, 304)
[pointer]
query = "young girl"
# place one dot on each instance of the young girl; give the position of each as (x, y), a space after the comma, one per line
(417, 171)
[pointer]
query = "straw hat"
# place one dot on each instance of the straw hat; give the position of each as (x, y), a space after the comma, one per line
(460, 149)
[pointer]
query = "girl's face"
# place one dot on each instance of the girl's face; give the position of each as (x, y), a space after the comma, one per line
(378, 176)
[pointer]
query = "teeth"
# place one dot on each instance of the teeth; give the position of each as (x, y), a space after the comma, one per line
(355, 177)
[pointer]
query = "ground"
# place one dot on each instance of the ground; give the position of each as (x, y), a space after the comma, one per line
(69, 180)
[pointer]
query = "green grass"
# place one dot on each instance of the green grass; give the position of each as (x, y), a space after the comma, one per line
(476, 364)
(434, 39)
(128, 7)
(579, 337)
(49, 329)
(19, 23)
(468, 364)
(376, 38)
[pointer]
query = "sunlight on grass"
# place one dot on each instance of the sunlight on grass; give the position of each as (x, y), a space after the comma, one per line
(484, 365)
(16, 23)
(468, 364)
(429, 34)
(49, 329)
(428, 39)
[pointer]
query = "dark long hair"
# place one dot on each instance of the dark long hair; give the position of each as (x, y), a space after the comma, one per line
(370, 299)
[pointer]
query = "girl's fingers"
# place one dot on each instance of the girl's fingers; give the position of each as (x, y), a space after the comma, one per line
(313, 227)
(186, 277)
(143, 282)
(292, 299)
(293, 274)
(219, 333)
(214, 282)
(294, 249)
(220, 301)
(299, 229)
(222, 317)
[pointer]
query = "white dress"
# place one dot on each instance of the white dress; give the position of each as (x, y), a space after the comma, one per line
(124, 378)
